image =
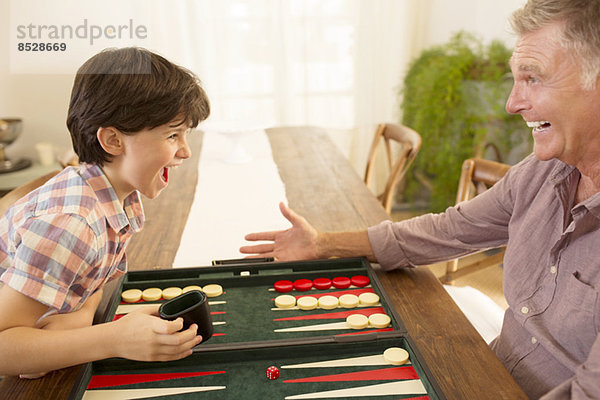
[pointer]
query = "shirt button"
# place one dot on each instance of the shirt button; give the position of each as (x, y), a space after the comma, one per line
(524, 310)
(553, 269)
(533, 340)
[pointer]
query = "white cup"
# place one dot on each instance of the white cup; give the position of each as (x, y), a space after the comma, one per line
(45, 153)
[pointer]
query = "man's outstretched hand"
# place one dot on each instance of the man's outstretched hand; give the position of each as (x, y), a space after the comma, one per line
(300, 242)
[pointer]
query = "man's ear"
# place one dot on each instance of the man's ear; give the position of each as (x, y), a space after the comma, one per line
(110, 139)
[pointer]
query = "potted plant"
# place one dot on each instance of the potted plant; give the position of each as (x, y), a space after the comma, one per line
(454, 96)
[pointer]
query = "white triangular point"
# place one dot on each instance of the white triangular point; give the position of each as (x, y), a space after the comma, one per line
(332, 326)
(127, 308)
(414, 386)
(319, 327)
(123, 394)
(373, 360)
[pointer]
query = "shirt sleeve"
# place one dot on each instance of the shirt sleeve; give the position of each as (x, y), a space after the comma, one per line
(468, 227)
(53, 253)
(585, 384)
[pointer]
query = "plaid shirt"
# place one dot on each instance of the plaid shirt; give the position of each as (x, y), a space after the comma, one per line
(65, 240)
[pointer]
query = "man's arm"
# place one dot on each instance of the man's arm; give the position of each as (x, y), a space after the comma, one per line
(137, 336)
(303, 242)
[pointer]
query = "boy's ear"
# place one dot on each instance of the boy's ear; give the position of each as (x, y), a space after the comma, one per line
(110, 139)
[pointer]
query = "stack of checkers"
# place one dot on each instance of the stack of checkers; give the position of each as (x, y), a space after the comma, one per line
(360, 321)
(155, 294)
(327, 302)
(303, 285)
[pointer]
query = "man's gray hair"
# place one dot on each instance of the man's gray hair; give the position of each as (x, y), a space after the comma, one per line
(580, 34)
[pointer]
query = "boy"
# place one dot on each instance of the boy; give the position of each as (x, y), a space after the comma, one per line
(129, 114)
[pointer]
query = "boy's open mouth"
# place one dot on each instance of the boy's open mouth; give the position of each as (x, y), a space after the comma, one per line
(165, 174)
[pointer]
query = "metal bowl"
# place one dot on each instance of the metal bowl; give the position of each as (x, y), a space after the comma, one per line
(10, 129)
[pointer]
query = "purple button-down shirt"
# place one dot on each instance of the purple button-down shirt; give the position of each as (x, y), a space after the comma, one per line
(550, 338)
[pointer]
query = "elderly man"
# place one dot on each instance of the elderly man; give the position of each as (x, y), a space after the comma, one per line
(546, 211)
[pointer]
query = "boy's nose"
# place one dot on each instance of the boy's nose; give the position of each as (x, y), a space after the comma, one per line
(184, 151)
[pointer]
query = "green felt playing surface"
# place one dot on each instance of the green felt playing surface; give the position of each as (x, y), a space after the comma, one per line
(245, 371)
(248, 314)
(246, 345)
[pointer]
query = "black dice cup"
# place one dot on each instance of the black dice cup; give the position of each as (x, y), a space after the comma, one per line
(193, 307)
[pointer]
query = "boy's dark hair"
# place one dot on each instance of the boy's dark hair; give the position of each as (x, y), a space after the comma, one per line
(130, 89)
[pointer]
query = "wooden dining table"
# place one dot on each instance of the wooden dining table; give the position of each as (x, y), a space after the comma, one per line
(322, 186)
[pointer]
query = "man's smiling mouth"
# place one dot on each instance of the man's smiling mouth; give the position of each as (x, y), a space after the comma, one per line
(538, 126)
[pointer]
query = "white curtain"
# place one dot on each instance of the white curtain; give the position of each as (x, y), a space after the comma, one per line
(331, 63)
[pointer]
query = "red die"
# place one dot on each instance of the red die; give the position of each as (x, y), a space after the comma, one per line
(272, 372)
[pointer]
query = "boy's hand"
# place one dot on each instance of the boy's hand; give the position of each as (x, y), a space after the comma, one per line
(296, 243)
(143, 336)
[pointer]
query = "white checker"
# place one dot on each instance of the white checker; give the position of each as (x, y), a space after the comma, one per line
(307, 303)
(379, 320)
(212, 290)
(349, 301)
(357, 321)
(171, 292)
(395, 355)
(285, 301)
(328, 302)
(368, 299)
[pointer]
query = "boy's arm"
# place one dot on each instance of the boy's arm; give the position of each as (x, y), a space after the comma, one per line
(77, 319)
(25, 349)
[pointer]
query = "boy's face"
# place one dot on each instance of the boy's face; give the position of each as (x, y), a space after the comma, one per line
(147, 158)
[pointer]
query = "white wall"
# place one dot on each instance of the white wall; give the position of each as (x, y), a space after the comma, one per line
(486, 18)
(42, 100)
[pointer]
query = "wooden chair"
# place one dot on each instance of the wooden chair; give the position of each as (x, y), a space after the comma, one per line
(477, 176)
(11, 197)
(409, 142)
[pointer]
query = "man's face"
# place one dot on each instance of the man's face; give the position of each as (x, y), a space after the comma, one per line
(548, 93)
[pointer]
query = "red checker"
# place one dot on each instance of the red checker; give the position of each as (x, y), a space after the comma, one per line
(302, 285)
(272, 372)
(283, 286)
(341, 282)
(360, 280)
(322, 283)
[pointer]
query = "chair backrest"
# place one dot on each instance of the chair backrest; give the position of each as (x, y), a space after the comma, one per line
(11, 197)
(478, 175)
(409, 142)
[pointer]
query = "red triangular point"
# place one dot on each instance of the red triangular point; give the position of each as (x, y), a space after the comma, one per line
(101, 381)
(336, 315)
(363, 332)
(385, 374)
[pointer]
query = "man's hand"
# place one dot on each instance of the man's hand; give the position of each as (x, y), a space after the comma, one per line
(300, 242)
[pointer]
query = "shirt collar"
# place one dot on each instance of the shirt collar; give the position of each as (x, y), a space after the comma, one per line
(563, 174)
(119, 217)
